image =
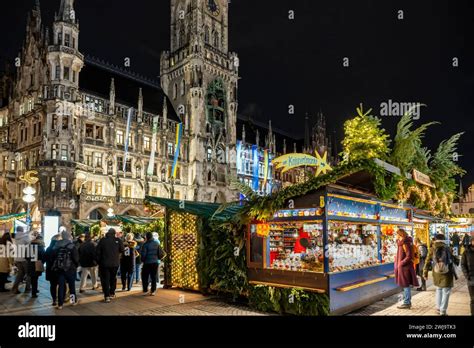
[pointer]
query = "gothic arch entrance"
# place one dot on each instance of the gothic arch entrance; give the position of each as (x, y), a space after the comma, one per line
(97, 214)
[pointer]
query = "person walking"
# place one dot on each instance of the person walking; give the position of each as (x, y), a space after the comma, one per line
(466, 241)
(65, 263)
(138, 261)
(422, 254)
(36, 263)
(151, 254)
(467, 265)
(88, 262)
(405, 275)
(21, 241)
(456, 241)
(52, 276)
(5, 261)
(108, 256)
(443, 272)
(127, 262)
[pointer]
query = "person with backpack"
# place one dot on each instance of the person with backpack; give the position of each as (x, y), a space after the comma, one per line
(88, 262)
(65, 262)
(467, 265)
(127, 262)
(422, 254)
(108, 257)
(151, 254)
(405, 275)
(443, 271)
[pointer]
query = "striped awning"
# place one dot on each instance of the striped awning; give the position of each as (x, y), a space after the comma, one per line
(85, 223)
(135, 220)
(11, 217)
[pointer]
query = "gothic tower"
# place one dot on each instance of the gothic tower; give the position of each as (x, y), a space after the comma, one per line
(61, 133)
(200, 76)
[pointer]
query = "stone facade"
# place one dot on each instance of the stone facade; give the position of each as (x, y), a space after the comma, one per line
(75, 138)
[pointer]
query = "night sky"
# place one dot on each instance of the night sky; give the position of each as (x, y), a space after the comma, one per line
(300, 62)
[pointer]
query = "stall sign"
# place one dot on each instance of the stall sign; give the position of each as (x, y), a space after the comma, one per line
(295, 160)
(394, 214)
(422, 178)
(351, 208)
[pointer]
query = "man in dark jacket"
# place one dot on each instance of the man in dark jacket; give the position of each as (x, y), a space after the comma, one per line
(108, 256)
(65, 262)
(467, 265)
(151, 254)
(88, 262)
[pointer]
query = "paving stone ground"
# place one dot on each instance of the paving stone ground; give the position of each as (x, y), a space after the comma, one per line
(423, 303)
(172, 302)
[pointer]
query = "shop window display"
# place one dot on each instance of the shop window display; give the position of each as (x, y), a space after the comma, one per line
(296, 246)
(389, 246)
(352, 246)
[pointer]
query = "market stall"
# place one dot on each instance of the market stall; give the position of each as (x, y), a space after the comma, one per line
(186, 233)
(336, 241)
(7, 222)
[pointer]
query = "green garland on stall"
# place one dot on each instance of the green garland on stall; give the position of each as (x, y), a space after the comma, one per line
(221, 259)
(263, 208)
(293, 301)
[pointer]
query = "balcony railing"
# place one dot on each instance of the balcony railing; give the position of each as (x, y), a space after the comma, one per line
(97, 198)
(65, 49)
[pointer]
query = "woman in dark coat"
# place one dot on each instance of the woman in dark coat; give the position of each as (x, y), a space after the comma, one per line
(405, 275)
(52, 276)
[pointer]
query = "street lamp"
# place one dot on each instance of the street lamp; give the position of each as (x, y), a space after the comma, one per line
(29, 197)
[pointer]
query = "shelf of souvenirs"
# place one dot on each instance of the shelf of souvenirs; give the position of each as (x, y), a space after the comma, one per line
(294, 213)
(304, 262)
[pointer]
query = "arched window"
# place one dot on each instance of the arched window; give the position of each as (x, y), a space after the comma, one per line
(206, 34)
(183, 87)
(175, 91)
(216, 39)
(209, 154)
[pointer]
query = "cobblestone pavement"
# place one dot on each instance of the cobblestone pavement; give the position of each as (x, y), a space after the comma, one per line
(169, 302)
(172, 302)
(423, 302)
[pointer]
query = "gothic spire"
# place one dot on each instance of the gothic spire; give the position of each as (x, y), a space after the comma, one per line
(306, 132)
(112, 97)
(66, 12)
(165, 113)
(140, 104)
(461, 191)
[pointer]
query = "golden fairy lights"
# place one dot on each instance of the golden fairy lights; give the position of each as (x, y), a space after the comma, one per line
(437, 202)
(184, 250)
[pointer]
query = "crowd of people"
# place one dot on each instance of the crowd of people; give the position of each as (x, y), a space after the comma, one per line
(414, 259)
(67, 261)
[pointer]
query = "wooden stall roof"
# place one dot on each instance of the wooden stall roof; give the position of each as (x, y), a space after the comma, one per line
(204, 210)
